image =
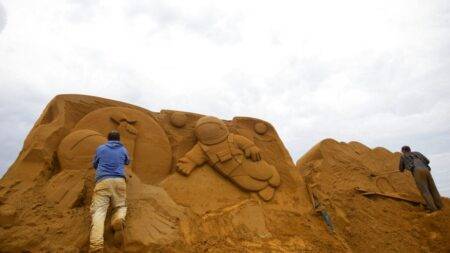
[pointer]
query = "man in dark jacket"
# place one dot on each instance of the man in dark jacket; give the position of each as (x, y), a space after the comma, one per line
(109, 161)
(418, 164)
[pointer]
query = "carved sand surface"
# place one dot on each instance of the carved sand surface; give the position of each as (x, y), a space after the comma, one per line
(201, 184)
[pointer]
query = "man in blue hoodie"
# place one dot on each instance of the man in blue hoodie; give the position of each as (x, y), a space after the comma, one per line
(109, 161)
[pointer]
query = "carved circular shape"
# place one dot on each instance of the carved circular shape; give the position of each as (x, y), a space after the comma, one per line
(145, 140)
(261, 128)
(178, 119)
(76, 150)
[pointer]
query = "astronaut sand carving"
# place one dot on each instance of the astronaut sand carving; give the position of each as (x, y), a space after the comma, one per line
(233, 156)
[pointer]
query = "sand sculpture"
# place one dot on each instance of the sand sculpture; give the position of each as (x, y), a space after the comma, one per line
(46, 193)
(144, 138)
(233, 156)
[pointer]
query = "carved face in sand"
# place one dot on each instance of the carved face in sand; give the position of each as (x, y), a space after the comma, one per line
(211, 130)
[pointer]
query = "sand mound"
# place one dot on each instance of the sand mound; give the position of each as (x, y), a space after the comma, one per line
(375, 223)
(45, 195)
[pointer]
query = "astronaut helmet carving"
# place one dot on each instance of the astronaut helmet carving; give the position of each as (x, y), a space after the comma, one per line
(211, 130)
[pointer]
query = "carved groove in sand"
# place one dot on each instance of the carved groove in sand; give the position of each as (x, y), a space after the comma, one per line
(233, 156)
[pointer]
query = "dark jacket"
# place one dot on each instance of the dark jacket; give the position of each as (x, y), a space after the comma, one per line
(411, 160)
(109, 160)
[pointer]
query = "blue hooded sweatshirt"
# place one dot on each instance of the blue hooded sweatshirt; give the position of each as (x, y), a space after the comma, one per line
(109, 160)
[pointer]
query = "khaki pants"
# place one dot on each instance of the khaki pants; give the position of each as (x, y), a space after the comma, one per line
(108, 190)
(425, 183)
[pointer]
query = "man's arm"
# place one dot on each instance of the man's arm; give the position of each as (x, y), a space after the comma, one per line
(96, 160)
(127, 157)
(401, 165)
(424, 158)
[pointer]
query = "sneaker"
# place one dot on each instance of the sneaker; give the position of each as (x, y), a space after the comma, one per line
(119, 231)
(118, 224)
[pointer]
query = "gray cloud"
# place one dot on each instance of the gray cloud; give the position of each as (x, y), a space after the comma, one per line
(208, 22)
(2, 17)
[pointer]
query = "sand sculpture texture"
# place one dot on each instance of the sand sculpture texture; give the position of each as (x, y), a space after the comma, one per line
(200, 184)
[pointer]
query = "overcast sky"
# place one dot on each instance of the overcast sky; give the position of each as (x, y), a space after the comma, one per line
(373, 71)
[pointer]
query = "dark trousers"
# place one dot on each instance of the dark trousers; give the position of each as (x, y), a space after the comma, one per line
(425, 183)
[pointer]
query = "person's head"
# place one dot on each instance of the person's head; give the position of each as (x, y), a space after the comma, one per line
(406, 149)
(113, 136)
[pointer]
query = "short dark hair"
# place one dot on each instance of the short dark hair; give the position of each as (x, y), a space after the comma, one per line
(114, 136)
(406, 149)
